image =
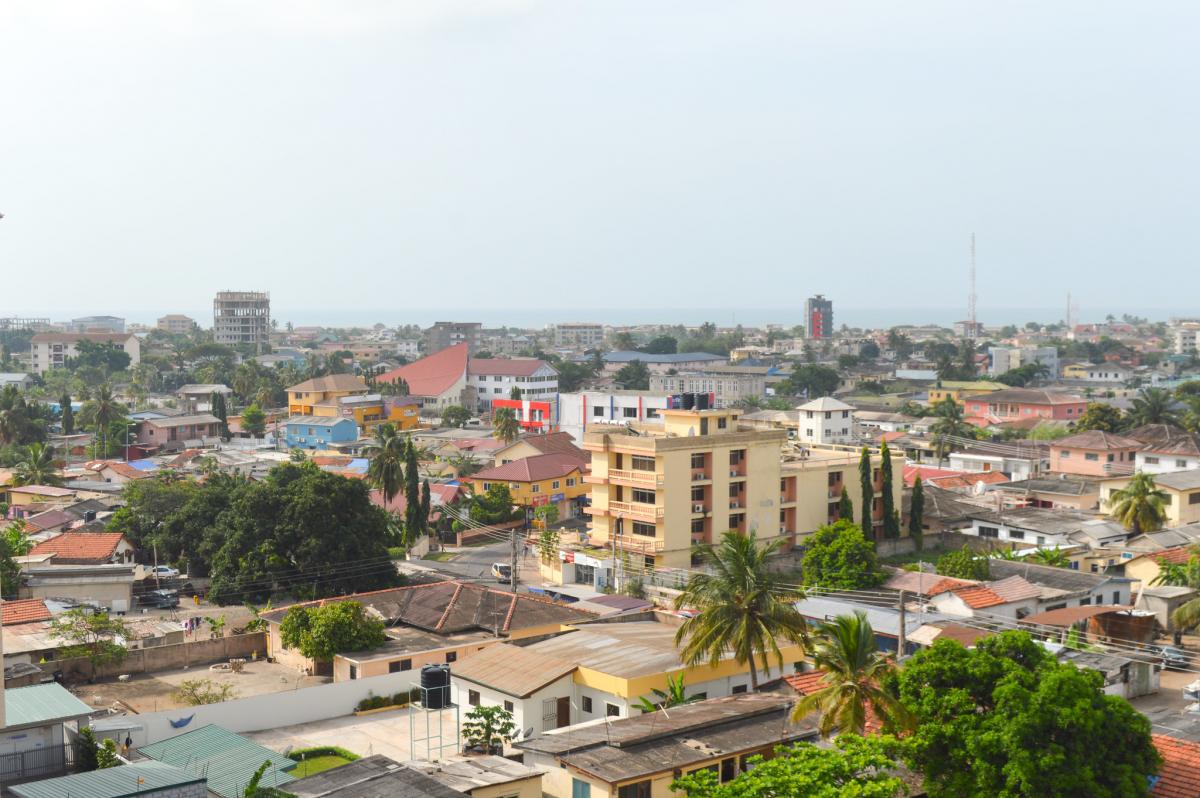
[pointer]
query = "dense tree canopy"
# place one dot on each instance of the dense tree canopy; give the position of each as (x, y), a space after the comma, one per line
(1007, 719)
(839, 557)
(335, 628)
(964, 563)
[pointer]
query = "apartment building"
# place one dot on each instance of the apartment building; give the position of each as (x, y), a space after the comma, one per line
(656, 491)
(495, 378)
(579, 335)
(51, 350)
(727, 384)
(176, 324)
(111, 324)
(445, 334)
(242, 317)
(826, 420)
(810, 489)
(1007, 358)
(818, 316)
(577, 410)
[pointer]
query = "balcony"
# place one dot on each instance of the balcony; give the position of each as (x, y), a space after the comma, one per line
(639, 543)
(700, 475)
(648, 478)
(637, 511)
(700, 508)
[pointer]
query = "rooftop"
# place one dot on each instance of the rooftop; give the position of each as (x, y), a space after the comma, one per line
(552, 443)
(1096, 440)
(432, 375)
(1030, 396)
(505, 367)
(1063, 579)
(24, 611)
(1056, 521)
(1064, 486)
(825, 404)
(229, 760)
(1179, 775)
(676, 357)
(513, 670)
(183, 421)
(95, 547)
(532, 469)
(371, 777)
(1179, 480)
(330, 383)
(626, 650)
(40, 704)
(123, 781)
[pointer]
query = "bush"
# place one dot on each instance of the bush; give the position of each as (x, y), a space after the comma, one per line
(397, 552)
(381, 701)
(322, 750)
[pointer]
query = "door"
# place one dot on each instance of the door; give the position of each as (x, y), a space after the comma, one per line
(564, 712)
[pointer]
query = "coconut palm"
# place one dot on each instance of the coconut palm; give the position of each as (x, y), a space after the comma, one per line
(844, 649)
(1140, 506)
(1052, 557)
(386, 468)
(506, 427)
(36, 467)
(1187, 615)
(675, 695)
(1154, 406)
(101, 411)
(950, 424)
(743, 608)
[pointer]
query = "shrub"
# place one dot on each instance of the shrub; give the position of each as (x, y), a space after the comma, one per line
(300, 754)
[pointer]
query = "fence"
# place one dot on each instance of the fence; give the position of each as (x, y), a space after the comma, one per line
(38, 763)
(162, 658)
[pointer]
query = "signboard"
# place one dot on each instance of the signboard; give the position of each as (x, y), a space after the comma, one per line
(558, 497)
(540, 499)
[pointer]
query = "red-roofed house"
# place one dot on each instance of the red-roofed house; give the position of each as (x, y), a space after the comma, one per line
(1094, 453)
(1179, 775)
(911, 472)
(1013, 598)
(24, 611)
(86, 548)
(536, 481)
(116, 472)
(439, 380)
(810, 682)
(1146, 567)
(1014, 404)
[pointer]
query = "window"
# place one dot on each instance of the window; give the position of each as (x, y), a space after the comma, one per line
(639, 463)
(1194, 498)
(728, 769)
(1088, 600)
(721, 423)
(535, 488)
(473, 697)
(648, 530)
(487, 486)
(735, 520)
(735, 489)
(737, 456)
(597, 412)
(1016, 534)
(629, 412)
(451, 656)
(989, 532)
(738, 689)
(353, 672)
(1091, 457)
(587, 703)
(808, 432)
(698, 493)
(697, 526)
(1116, 597)
(396, 666)
(1064, 455)
(651, 412)
(580, 789)
(643, 496)
(555, 485)
(1110, 457)
(1181, 463)
(697, 461)
(639, 790)
(612, 710)
(570, 482)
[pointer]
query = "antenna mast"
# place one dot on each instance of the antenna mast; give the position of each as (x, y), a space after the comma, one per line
(973, 328)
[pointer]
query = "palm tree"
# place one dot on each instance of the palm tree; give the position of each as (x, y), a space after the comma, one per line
(386, 468)
(36, 467)
(1191, 418)
(1051, 557)
(844, 649)
(675, 695)
(1154, 406)
(1187, 615)
(101, 411)
(1140, 506)
(743, 607)
(950, 423)
(506, 427)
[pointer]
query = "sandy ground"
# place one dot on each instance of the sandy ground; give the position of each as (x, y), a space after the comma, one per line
(386, 733)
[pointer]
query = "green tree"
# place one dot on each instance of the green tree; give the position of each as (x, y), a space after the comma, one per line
(891, 521)
(385, 468)
(68, 414)
(633, 376)
(1102, 417)
(90, 635)
(743, 607)
(1051, 557)
(675, 695)
(197, 692)
(336, 628)
(101, 412)
(916, 514)
(515, 393)
(13, 543)
(1006, 719)
(456, 416)
(1154, 406)
(964, 564)
(216, 401)
(1140, 506)
(489, 728)
(855, 767)
(254, 420)
(866, 479)
(839, 557)
(426, 506)
(506, 427)
(845, 506)
(662, 345)
(493, 507)
(547, 514)
(812, 381)
(412, 492)
(85, 750)
(36, 466)
(855, 670)
(547, 545)
(950, 424)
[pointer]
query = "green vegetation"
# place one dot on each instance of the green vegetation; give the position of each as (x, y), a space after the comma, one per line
(317, 763)
(964, 563)
(839, 557)
(891, 515)
(196, 692)
(1102, 417)
(90, 635)
(488, 728)
(382, 701)
(675, 695)
(1140, 506)
(440, 556)
(866, 480)
(321, 632)
(633, 376)
(916, 514)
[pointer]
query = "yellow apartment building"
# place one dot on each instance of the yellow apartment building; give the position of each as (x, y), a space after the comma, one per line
(811, 482)
(655, 491)
(337, 395)
(322, 393)
(960, 389)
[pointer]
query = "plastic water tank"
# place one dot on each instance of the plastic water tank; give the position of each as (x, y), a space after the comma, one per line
(435, 681)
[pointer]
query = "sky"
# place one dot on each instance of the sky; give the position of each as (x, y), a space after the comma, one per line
(570, 156)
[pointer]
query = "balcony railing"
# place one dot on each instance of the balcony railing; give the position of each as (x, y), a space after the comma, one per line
(641, 512)
(700, 474)
(639, 477)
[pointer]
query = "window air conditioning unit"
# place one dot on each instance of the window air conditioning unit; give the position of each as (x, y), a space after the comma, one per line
(734, 473)
(697, 508)
(735, 505)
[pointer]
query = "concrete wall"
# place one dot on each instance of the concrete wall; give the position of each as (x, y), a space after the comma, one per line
(162, 658)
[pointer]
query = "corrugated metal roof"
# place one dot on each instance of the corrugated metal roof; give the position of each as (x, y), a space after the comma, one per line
(517, 671)
(41, 703)
(118, 782)
(227, 759)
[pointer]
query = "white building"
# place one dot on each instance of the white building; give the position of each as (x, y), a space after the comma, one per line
(176, 324)
(112, 324)
(578, 410)
(579, 335)
(1018, 465)
(242, 317)
(408, 347)
(1007, 358)
(51, 350)
(495, 378)
(826, 420)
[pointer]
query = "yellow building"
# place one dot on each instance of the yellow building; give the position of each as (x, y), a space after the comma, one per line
(540, 480)
(345, 395)
(321, 393)
(1076, 371)
(1182, 489)
(811, 482)
(959, 389)
(655, 491)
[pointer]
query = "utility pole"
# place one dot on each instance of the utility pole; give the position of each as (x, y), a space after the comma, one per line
(902, 640)
(512, 576)
(972, 332)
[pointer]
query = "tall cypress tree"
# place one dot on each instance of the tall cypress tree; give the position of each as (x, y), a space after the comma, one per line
(425, 506)
(845, 506)
(68, 415)
(867, 477)
(916, 514)
(217, 402)
(891, 522)
(412, 492)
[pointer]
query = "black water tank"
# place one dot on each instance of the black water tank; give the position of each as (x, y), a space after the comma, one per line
(702, 401)
(435, 683)
(689, 401)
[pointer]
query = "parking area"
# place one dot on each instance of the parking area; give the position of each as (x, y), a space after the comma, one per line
(390, 733)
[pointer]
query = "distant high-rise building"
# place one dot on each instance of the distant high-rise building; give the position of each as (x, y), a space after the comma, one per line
(445, 334)
(113, 324)
(176, 324)
(242, 317)
(818, 317)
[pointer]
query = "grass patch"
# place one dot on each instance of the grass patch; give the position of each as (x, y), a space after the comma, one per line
(318, 764)
(439, 556)
(397, 553)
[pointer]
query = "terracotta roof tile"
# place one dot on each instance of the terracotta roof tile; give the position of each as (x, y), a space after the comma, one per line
(24, 611)
(505, 367)
(963, 481)
(1179, 776)
(331, 382)
(978, 597)
(80, 546)
(1179, 555)
(811, 681)
(531, 469)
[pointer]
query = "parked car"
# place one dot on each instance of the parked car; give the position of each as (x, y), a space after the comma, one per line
(502, 571)
(164, 572)
(1175, 658)
(161, 599)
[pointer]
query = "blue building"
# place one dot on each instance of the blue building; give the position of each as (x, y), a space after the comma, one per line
(319, 432)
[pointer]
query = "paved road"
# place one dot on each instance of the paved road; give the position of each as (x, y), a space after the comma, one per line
(472, 562)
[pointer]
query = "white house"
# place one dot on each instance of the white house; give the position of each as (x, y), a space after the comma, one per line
(1024, 462)
(51, 350)
(1012, 598)
(577, 410)
(826, 420)
(1166, 449)
(1046, 528)
(495, 378)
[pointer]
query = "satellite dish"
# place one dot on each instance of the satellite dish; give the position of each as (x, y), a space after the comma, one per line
(979, 488)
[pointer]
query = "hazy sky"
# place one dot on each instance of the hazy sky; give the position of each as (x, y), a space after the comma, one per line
(398, 155)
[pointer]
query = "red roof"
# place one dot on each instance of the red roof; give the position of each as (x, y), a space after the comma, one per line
(1179, 555)
(531, 469)
(80, 546)
(1179, 776)
(119, 468)
(439, 493)
(24, 611)
(977, 597)
(811, 681)
(504, 367)
(964, 481)
(927, 473)
(433, 375)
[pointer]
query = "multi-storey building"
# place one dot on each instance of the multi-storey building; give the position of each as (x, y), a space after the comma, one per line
(811, 483)
(727, 384)
(242, 317)
(444, 334)
(1015, 404)
(51, 350)
(826, 420)
(1007, 358)
(578, 410)
(495, 378)
(176, 324)
(818, 317)
(112, 324)
(579, 335)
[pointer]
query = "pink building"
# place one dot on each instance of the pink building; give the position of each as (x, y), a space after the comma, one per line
(1015, 404)
(175, 432)
(1094, 454)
